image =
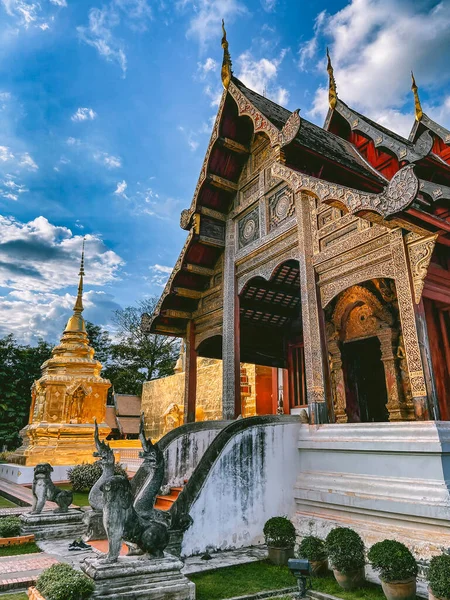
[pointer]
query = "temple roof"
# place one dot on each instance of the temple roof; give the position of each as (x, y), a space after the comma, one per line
(312, 137)
(304, 147)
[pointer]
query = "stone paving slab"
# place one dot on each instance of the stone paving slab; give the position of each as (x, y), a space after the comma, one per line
(21, 571)
(227, 558)
(15, 510)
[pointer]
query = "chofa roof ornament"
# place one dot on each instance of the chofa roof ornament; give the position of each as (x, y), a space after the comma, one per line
(332, 90)
(417, 105)
(226, 63)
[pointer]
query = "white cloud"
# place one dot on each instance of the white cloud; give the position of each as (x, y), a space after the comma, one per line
(6, 154)
(83, 114)
(31, 315)
(27, 161)
(260, 75)
(11, 190)
(71, 141)
(110, 162)
(121, 188)
(374, 45)
(209, 65)
(41, 256)
(102, 22)
(269, 5)
(190, 137)
(208, 15)
(26, 13)
(214, 95)
(160, 274)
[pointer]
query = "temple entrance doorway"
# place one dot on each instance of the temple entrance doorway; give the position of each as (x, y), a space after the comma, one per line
(368, 370)
(365, 385)
(271, 337)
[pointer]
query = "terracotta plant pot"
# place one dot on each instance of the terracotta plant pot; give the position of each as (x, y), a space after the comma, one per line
(280, 556)
(431, 596)
(350, 581)
(400, 590)
(33, 594)
(319, 568)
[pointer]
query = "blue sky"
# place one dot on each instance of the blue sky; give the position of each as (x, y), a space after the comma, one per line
(106, 109)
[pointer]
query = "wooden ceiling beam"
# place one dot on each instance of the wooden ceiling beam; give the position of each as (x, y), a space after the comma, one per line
(269, 308)
(176, 314)
(198, 270)
(234, 146)
(214, 214)
(221, 183)
(187, 293)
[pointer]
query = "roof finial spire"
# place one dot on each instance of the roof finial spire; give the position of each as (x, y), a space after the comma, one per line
(417, 105)
(332, 91)
(78, 307)
(226, 64)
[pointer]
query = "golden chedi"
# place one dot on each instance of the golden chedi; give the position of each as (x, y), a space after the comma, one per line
(66, 399)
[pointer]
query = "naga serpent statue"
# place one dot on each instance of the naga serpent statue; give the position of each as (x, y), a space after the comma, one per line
(128, 508)
(106, 461)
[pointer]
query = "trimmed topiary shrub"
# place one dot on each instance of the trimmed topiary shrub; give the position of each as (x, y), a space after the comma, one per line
(345, 550)
(312, 548)
(82, 477)
(9, 527)
(63, 582)
(439, 576)
(393, 560)
(279, 532)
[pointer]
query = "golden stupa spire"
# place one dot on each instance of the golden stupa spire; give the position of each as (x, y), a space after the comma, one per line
(76, 321)
(226, 63)
(417, 105)
(332, 91)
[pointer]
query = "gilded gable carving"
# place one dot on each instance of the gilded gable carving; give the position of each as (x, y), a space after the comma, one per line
(248, 228)
(281, 206)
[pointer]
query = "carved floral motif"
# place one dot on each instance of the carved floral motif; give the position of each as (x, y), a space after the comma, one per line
(420, 250)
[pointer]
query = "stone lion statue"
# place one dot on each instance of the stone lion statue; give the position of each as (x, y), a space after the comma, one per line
(122, 522)
(44, 489)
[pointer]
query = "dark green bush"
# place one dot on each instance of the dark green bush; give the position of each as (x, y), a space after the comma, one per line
(312, 548)
(63, 582)
(345, 549)
(82, 477)
(279, 532)
(439, 576)
(393, 560)
(9, 527)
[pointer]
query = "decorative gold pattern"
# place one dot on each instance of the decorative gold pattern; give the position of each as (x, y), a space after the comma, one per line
(290, 128)
(281, 206)
(398, 195)
(226, 71)
(417, 106)
(248, 227)
(420, 250)
(332, 90)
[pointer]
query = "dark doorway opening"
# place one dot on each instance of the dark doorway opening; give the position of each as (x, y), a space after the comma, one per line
(365, 381)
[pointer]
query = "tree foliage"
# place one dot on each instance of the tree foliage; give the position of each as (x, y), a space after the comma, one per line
(134, 356)
(19, 367)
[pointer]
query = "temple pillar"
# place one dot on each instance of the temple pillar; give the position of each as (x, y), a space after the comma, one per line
(190, 375)
(337, 381)
(314, 351)
(231, 394)
(398, 409)
(409, 328)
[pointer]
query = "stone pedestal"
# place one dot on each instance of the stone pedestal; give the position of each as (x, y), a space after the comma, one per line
(93, 526)
(52, 525)
(132, 578)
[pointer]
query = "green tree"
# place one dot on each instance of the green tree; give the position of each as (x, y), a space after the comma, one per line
(100, 340)
(138, 356)
(20, 366)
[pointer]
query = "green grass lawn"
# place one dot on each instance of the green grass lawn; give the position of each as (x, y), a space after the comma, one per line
(4, 503)
(79, 498)
(18, 596)
(243, 579)
(28, 548)
(251, 578)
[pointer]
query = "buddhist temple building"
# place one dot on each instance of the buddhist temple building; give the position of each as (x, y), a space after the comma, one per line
(321, 254)
(65, 401)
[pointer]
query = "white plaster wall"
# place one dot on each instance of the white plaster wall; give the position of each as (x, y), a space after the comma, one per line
(23, 475)
(386, 480)
(184, 453)
(252, 480)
